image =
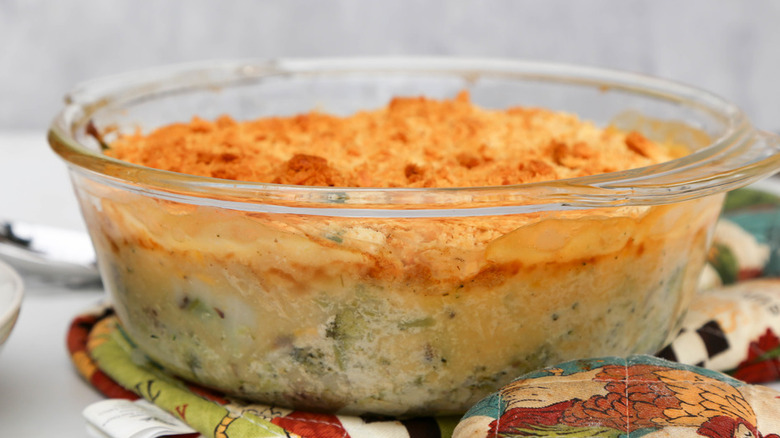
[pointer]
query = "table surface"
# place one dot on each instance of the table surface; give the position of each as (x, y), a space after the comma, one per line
(40, 392)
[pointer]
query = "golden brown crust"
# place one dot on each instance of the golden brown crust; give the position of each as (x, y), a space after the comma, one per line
(308, 170)
(412, 142)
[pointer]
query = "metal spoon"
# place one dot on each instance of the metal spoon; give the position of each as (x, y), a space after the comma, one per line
(55, 254)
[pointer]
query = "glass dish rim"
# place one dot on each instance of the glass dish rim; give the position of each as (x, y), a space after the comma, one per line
(662, 183)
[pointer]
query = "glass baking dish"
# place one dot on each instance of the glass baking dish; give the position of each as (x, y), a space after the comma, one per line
(398, 301)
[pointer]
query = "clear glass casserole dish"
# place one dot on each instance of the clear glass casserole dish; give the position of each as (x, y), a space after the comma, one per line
(398, 301)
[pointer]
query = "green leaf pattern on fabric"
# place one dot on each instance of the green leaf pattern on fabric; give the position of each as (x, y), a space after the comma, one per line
(147, 380)
(218, 417)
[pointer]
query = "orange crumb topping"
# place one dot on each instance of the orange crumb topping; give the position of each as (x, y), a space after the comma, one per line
(412, 142)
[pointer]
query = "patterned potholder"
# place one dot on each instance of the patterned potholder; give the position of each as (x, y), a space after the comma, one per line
(109, 361)
(734, 329)
(747, 239)
(641, 396)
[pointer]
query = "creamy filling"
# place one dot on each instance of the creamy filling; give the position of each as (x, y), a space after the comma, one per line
(391, 316)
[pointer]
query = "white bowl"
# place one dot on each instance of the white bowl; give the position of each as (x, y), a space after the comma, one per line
(10, 300)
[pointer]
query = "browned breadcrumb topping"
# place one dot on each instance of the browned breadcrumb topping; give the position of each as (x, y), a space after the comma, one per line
(412, 142)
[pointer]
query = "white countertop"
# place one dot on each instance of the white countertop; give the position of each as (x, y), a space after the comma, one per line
(41, 394)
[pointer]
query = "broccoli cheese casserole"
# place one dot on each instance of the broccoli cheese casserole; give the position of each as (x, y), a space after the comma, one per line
(388, 314)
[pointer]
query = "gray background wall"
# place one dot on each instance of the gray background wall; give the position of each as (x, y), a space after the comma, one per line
(729, 47)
